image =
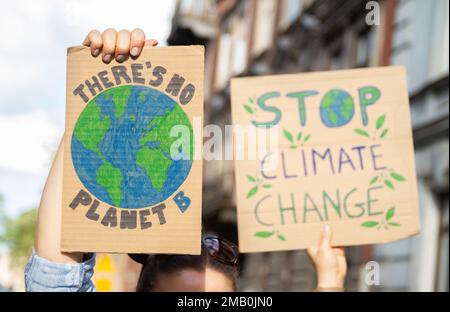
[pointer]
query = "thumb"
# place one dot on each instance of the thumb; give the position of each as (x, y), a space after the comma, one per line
(311, 251)
(151, 43)
(325, 237)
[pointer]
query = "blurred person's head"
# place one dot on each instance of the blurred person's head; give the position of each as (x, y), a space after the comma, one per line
(215, 270)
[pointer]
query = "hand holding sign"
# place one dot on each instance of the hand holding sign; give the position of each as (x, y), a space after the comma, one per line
(117, 44)
(330, 263)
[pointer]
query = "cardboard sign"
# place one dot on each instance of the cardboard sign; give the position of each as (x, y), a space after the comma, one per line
(131, 182)
(343, 156)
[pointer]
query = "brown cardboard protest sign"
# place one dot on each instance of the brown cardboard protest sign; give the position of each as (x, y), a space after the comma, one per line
(132, 178)
(342, 155)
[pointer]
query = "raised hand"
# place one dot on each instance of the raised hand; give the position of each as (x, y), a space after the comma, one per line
(117, 45)
(329, 262)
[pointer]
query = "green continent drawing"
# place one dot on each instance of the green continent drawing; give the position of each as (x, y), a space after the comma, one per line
(337, 108)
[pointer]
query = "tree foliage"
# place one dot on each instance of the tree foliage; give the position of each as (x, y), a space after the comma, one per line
(18, 234)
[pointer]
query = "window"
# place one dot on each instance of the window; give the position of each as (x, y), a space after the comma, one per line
(337, 60)
(239, 29)
(365, 46)
(290, 11)
(440, 40)
(265, 16)
(223, 62)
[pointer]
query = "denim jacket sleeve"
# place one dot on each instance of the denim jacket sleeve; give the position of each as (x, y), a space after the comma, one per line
(42, 275)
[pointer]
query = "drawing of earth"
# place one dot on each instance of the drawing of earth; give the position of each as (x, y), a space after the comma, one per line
(337, 108)
(121, 147)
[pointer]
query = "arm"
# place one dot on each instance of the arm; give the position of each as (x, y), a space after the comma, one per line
(329, 262)
(47, 241)
(48, 230)
(49, 268)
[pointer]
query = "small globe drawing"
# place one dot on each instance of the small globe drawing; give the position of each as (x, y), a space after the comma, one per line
(337, 108)
(122, 147)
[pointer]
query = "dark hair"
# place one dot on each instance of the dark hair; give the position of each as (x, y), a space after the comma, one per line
(154, 265)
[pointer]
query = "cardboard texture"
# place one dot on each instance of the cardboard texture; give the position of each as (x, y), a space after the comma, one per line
(131, 182)
(343, 156)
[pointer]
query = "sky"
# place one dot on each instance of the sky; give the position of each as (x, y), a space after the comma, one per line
(34, 36)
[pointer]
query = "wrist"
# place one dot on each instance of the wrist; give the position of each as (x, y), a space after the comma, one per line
(330, 281)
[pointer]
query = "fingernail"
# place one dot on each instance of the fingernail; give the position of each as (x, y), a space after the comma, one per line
(107, 58)
(96, 52)
(134, 51)
(327, 228)
(120, 58)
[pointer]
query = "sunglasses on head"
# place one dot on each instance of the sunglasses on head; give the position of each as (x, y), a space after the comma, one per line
(221, 250)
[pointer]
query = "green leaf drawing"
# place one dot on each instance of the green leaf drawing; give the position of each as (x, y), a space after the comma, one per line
(389, 184)
(384, 133)
(299, 136)
(264, 234)
(398, 177)
(380, 122)
(293, 146)
(281, 237)
(390, 214)
(267, 186)
(252, 192)
(307, 138)
(251, 100)
(374, 180)
(251, 179)
(384, 223)
(249, 109)
(362, 132)
(289, 136)
(370, 224)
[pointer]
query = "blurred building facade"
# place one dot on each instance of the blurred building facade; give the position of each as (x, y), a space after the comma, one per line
(421, 43)
(261, 37)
